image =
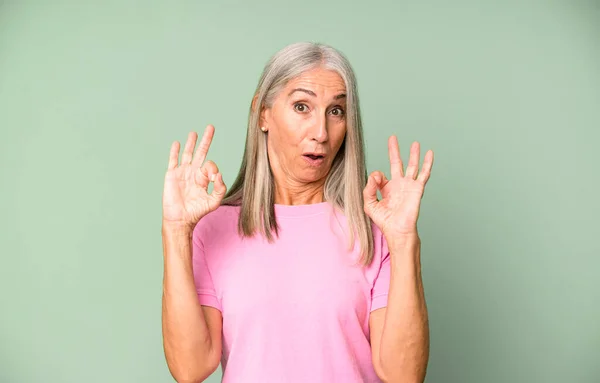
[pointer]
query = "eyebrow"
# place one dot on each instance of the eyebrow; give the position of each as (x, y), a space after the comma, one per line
(310, 92)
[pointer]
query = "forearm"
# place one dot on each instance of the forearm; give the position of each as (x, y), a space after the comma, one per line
(404, 349)
(186, 337)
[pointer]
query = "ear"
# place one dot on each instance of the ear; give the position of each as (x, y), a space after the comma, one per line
(263, 112)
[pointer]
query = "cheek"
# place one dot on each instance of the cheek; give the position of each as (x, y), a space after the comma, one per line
(291, 127)
(286, 135)
(338, 135)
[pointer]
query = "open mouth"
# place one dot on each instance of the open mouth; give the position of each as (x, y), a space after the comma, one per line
(314, 159)
(314, 156)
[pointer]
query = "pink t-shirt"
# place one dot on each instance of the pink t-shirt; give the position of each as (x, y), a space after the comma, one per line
(296, 310)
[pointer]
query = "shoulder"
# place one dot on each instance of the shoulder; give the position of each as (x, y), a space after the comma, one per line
(222, 220)
(380, 247)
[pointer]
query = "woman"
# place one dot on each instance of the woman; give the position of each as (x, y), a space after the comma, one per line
(299, 273)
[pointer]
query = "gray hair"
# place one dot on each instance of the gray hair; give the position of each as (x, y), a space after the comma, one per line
(254, 187)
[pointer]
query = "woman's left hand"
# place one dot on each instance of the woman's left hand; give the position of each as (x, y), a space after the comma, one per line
(397, 212)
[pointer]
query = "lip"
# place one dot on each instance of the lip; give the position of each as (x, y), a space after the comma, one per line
(313, 154)
(314, 161)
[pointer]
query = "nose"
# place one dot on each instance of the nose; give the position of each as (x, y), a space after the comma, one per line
(319, 129)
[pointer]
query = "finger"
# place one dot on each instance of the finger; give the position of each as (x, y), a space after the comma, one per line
(426, 168)
(201, 179)
(413, 161)
(202, 150)
(395, 160)
(173, 155)
(219, 188)
(370, 194)
(380, 178)
(186, 157)
(209, 169)
(380, 182)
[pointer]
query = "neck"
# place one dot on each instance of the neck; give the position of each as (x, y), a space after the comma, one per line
(302, 195)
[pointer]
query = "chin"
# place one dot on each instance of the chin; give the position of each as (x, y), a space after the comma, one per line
(313, 176)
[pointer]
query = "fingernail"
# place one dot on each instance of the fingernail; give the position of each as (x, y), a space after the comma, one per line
(212, 177)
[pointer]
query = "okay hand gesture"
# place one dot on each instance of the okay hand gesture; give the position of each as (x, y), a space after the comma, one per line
(397, 212)
(185, 197)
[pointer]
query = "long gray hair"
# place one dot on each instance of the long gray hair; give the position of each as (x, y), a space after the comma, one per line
(254, 187)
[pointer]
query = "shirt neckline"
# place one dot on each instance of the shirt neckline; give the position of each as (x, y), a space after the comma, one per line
(301, 210)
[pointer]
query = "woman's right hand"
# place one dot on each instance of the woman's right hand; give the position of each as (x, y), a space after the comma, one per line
(185, 195)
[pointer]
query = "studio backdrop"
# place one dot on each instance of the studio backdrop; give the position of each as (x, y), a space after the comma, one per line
(507, 95)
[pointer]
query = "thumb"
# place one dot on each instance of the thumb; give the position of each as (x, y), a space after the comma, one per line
(370, 194)
(219, 187)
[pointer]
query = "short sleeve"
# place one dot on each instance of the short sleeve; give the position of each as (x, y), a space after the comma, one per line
(381, 284)
(202, 279)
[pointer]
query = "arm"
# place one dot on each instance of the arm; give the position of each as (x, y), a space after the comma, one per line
(400, 332)
(191, 332)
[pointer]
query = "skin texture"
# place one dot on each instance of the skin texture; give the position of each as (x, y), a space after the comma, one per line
(299, 122)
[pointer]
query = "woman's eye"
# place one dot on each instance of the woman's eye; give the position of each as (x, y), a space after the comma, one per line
(338, 112)
(300, 108)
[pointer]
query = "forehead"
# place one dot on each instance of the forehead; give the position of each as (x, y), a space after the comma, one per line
(323, 82)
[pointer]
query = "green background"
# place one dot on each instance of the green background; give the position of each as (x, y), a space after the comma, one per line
(507, 95)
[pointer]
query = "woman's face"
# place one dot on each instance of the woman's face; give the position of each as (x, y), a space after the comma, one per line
(306, 126)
